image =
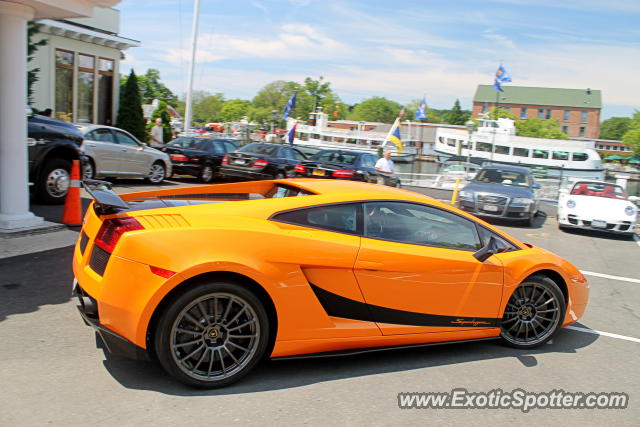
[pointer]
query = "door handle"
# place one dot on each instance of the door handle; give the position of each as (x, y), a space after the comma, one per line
(123, 149)
(368, 265)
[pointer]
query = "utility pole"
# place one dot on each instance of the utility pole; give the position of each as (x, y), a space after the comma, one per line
(192, 65)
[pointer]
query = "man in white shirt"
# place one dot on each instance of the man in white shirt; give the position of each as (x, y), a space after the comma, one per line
(385, 164)
(156, 133)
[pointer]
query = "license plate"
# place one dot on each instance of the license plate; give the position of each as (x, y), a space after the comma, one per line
(491, 208)
(318, 172)
(598, 224)
(238, 162)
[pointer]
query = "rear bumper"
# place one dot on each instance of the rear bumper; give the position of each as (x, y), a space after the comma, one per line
(186, 169)
(617, 227)
(114, 343)
(230, 171)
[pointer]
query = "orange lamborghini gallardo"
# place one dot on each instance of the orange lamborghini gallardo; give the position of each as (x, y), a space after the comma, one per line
(208, 280)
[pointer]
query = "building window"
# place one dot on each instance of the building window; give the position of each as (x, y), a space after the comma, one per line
(507, 108)
(484, 146)
(580, 157)
(547, 113)
(560, 155)
(582, 130)
(502, 149)
(520, 152)
(105, 91)
(566, 115)
(583, 116)
(565, 129)
(86, 69)
(523, 113)
(484, 108)
(540, 154)
(64, 84)
(541, 113)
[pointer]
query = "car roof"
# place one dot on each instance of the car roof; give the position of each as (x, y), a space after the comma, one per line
(508, 168)
(337, 150)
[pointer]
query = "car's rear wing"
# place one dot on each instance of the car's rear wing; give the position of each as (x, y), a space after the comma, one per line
(106, 200)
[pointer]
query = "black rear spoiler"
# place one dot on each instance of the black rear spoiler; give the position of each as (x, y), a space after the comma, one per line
(106, 200)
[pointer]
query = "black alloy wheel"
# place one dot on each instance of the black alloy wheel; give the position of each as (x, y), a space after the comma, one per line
(212, 335)
(534, 313)
(53, 183)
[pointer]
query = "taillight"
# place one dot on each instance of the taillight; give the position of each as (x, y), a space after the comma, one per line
(260, 163)
(179, 158)
(225, 160)
(299, 168)
(112, 229)
(343, 174)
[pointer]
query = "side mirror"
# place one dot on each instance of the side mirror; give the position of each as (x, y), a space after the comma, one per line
(468, 178)
(536, 186)
(489, 249)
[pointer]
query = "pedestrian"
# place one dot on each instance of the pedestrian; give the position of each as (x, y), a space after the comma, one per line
(156, 133)
(384, 166)
(46, 112)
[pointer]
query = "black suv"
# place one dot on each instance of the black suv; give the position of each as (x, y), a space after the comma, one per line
(501, 192)
(262, 161)
(341, 164)
(198, 156)
(52, 146)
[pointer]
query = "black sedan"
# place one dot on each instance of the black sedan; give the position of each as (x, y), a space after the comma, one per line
(261, 161)
(341, 164)
(199, 157)
(501, 192)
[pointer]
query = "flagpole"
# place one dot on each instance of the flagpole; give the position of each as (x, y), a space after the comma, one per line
(192, 65)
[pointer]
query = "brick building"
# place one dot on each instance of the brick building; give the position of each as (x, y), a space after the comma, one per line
(577, 110)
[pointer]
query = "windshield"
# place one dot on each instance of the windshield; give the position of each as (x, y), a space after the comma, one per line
(189, 143)
(599, 189)
(335, 157)
(505, 177)
(269, 150)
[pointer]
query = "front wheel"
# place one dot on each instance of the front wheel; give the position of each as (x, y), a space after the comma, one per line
(534, 313)
(53, 182)
(157, 173)
(212, 335)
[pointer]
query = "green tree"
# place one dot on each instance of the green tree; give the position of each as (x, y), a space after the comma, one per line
(162, 113)
(259, 115)
(152, 88)
(376, 109)
(540, 128)
(33, 28)
(130, 117)
(456, 116)
(615, 127)
(632, 136)
(234, 110)
(206, 107)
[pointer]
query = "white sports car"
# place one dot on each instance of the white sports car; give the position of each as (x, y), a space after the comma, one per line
(597, 205)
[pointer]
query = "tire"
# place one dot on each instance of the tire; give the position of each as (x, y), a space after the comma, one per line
(529, 221)
(53, 182)
(89, 169)
(194, 340)
(207, 174)
(157, 173)
(279, 175)
(536, 307)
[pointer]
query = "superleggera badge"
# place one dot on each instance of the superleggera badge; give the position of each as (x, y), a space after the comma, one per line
(472, 322)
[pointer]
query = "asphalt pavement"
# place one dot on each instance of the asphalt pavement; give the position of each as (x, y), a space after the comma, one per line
(52, 372)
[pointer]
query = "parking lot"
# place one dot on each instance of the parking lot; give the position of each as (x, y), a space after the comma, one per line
(52, 372)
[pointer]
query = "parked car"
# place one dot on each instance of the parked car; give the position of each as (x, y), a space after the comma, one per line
(198, 156)
(342, 164)
(261, 161)
(294, 268)
(52, 146)
(597, 205)
(501, 192)
(115, 153)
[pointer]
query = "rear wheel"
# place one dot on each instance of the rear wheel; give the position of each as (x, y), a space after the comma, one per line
(534, 313)
(279, 175)
(157, 173)
(53, 183)
(212, 335)
(207, 174)
(88, 171)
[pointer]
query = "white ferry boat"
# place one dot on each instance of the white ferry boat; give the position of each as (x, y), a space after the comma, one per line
(320, 136)
(496, 141)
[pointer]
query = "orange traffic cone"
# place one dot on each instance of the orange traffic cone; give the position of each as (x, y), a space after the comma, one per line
(72, 214)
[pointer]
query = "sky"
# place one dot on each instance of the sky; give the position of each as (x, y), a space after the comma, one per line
(399, 50)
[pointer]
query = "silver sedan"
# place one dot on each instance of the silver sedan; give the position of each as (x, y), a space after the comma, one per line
(115, 153)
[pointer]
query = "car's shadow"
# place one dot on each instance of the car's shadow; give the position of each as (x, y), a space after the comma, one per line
(598, 234)
(285, 374)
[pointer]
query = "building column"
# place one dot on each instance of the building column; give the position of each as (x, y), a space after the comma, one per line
(14, 176)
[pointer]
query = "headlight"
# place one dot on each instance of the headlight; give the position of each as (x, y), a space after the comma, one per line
(466, 195)
(630, 210)
(521, 201)
(571, 204)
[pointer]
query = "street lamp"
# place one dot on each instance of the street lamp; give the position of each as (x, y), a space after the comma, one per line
(470, 125)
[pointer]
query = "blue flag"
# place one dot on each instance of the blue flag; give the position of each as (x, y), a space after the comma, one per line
(290, 105)
(422, 110)
(501, 77)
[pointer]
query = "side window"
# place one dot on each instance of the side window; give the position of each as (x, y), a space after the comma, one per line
(229, 146)
(298, 155)
(102, 135)
(287, 153)
(368, 161)
(419, 225)
(216, 147)
(342, 218)
(124, 139)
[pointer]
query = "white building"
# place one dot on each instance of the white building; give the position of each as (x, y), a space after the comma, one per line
(79, 67)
